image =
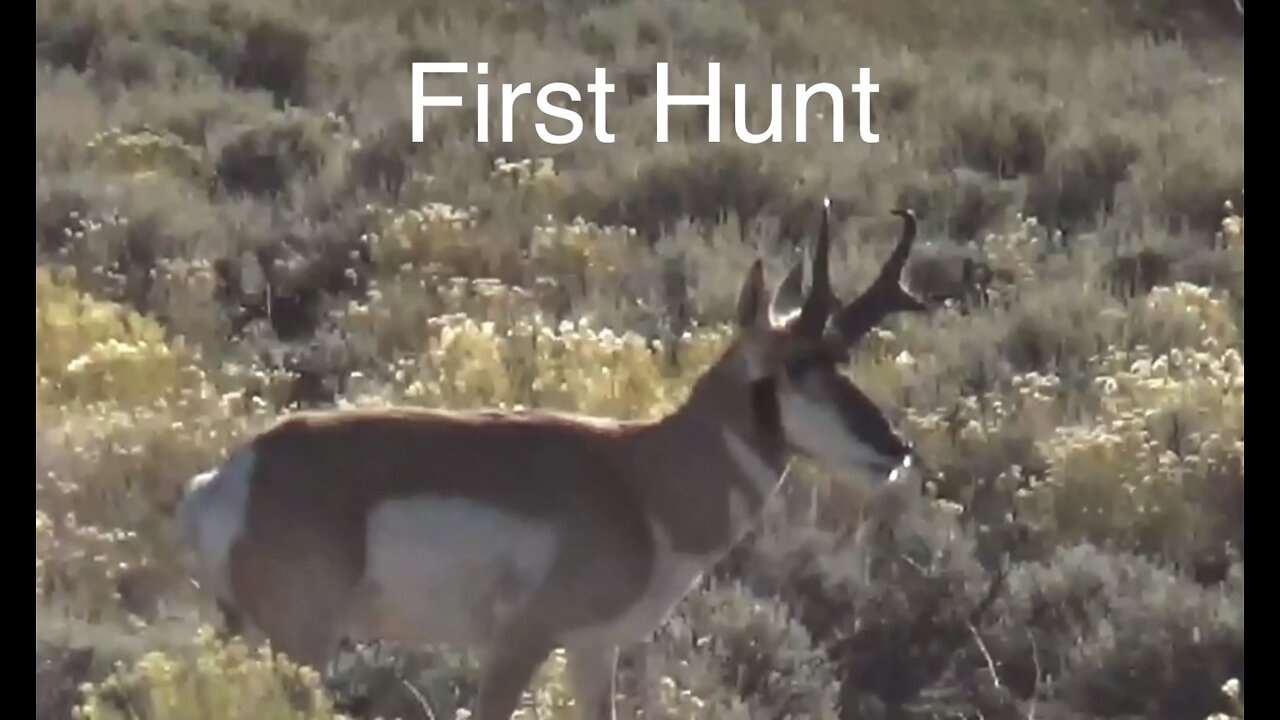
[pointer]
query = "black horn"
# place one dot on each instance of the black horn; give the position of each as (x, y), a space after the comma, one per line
(886, 295)
(822, 299)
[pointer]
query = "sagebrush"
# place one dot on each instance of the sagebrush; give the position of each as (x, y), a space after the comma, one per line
(232, 222)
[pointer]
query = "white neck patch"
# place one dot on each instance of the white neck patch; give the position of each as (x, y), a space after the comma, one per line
(764, 478)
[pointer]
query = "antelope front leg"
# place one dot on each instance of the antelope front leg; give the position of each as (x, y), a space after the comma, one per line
(512, 662)
(592, 672)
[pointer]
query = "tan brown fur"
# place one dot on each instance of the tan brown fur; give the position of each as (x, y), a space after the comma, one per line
(637, 508)
(598, 482)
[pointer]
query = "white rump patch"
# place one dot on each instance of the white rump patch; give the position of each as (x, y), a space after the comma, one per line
(449, 570)
(211, 517)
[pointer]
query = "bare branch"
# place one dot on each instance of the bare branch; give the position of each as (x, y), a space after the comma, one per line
(993, 592)
(1035, 660)
(991, 664)
(418, 697)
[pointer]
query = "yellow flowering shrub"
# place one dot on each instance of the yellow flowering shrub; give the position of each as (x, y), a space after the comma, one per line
(1162, 433)
(435, 235)
(1131, 443)
(448, 241)
(105, 482)
(1185, 316)
(90, 351)
(1014, 252)
(123, 418)
(1169, 436)
(570, 366)
(570, 249)
(536, 180)
(146, 152)
(221, 679)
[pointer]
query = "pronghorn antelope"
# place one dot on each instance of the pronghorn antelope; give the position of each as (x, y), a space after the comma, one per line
(523, 533)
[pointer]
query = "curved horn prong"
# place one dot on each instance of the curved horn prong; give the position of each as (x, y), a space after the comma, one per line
(886, 295)
(821, 300)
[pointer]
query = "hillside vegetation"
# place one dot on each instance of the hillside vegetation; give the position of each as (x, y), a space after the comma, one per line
(232, 221)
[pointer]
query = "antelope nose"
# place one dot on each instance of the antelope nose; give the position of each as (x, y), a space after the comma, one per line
(909, 462)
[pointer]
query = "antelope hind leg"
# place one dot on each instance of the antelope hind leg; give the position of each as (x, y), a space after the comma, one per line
(593, 674)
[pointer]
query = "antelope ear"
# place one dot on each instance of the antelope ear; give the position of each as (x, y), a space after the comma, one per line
(790, 293)
(753, 311)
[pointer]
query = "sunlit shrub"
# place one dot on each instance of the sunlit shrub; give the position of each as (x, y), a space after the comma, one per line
(730, 653)
(1137, 446)
(89, 351)
(220, 679)
(436, 235)
(106, 481)
(1233, 689)
(1185, 316)
(472, 282)
(123, 418)
(537, 182)
(572, 248)
(147, 152)
(570, 366)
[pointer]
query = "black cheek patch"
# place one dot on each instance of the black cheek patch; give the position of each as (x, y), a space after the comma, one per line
(766, 413)
(865, 419)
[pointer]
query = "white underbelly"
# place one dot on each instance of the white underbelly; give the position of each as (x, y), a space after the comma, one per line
(447, 570)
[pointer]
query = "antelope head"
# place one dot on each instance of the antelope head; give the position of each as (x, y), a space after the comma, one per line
(800, 341)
